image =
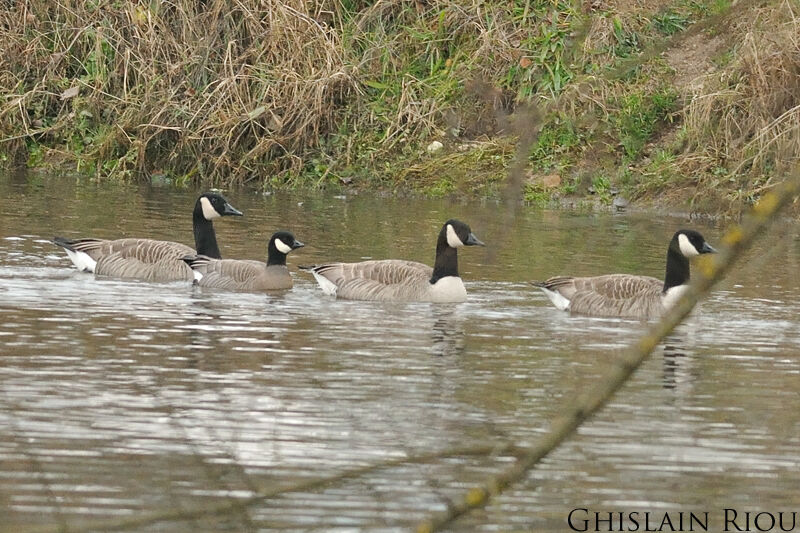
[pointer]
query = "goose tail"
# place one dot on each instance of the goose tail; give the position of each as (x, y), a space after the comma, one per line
(81, 260)
(195, 262)
(328, 287)
(558, 300)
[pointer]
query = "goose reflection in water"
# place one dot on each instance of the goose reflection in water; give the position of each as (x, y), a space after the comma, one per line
(448, 332)
(678, 364)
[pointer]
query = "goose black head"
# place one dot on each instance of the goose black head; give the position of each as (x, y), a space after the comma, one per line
(284, 242)
(690, 243)
(212, 205)
(458, 234)
(280, 244)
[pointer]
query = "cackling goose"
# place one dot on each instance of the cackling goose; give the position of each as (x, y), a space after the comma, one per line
(245, 275)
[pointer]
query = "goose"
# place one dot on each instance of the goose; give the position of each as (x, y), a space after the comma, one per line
(395, 280)
(626, 295)
(148, 259)
(242, 275)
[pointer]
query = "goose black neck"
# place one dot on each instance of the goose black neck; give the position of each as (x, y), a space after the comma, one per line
(275, 256)
(677, 269)
(205, 240)
(446, 259)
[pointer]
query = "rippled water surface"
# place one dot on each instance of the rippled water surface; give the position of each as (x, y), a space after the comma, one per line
(120, 400)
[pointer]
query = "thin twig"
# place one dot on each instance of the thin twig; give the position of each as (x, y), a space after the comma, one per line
(226, 507)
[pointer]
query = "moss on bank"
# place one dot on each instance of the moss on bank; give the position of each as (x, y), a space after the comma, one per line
(691, 102)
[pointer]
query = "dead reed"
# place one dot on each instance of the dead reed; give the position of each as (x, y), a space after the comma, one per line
(233, 92)
(217, 89)
(743, 121)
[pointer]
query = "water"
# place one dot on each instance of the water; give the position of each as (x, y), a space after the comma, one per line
(122, 399)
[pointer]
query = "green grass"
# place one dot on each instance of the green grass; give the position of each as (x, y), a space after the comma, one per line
(627, 41)
(669, 23)
(537, 196)
(638, 117)
(556, 144)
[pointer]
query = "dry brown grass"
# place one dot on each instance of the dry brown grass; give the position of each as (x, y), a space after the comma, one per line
(745, 118)
(735, 124)
(201, 87)
(231, 92)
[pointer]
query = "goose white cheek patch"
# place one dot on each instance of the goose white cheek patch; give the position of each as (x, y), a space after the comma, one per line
(452, 237)
(687, 248)
(282, 248)
(208, 210)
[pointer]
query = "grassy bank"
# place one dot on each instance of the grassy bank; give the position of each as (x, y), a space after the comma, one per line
(678, 101)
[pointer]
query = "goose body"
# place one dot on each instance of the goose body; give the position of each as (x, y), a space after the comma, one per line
(246, 275)
(394, 280)
(626, 295)
(149, 259)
